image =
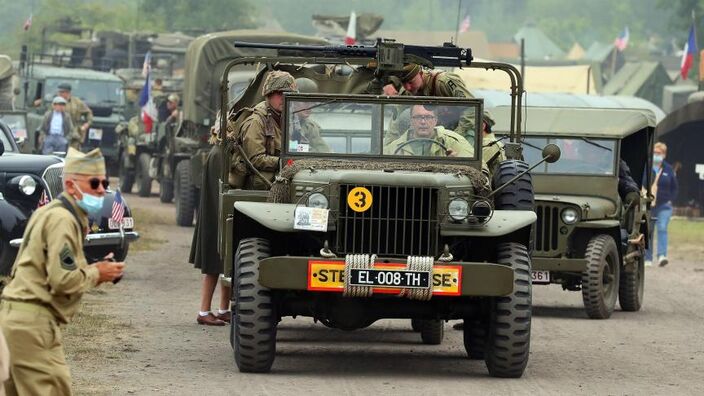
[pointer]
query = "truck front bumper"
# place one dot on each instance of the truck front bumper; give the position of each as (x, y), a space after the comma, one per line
(559, 264)
(97, 239)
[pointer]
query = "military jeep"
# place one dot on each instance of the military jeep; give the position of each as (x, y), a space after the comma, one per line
(590, 236)
(359, 232)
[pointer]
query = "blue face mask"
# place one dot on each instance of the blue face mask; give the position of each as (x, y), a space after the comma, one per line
(657, 159)
(90, 203)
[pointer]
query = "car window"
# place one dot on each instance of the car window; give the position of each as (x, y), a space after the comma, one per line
(6, 141)
(579, 155)
(94, 92)
(17, 124)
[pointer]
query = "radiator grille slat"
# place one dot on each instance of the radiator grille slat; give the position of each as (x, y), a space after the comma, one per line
(547, 228)
(401, 221)
(52, 177)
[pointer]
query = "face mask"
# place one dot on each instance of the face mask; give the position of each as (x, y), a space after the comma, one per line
(90, 203)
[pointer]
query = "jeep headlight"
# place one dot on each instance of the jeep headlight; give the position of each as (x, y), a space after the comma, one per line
(317, 200)
(27, 185)
(458, 209)
(569, 216)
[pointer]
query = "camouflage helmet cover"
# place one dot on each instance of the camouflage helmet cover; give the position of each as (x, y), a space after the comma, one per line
(488, 118)
(306, 85)
(278, 81)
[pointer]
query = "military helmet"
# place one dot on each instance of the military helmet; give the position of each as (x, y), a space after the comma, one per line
(278, 81)
(489, 119)
(306, 85)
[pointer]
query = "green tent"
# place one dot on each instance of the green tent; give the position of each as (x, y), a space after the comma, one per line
(538, 45)
(642, 79)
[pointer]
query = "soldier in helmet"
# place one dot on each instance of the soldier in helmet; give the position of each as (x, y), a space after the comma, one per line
(418, 81)
(260, 133)
(305, 130)
(81, 114)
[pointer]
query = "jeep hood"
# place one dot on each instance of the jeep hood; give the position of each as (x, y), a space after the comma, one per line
(592, 208)
(388, 178)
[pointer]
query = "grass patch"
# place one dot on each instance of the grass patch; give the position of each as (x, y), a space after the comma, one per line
(145, 222)
(686, 232)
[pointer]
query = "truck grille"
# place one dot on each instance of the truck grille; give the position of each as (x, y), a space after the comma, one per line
(401, 221)
(546, 228)
(52, 178)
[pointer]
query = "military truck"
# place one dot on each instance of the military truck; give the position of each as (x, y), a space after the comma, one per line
(206, 57)
(102, 92)
(590, 236)
(362, 231)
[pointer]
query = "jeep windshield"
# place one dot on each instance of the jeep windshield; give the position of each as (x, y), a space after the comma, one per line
(580, 156)
(93, 92)
(357, 125)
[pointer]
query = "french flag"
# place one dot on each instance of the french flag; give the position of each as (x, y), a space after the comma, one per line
(690, 50)
(149, 112)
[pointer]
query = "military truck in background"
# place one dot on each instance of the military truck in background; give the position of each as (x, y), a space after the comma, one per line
(206, 58)
(102, 92)
(591, 229)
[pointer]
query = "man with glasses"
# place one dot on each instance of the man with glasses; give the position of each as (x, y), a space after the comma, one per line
(49, 278)
(426, 138)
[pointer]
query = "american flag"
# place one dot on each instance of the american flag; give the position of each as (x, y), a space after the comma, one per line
(621, 41)
(118, 208)
(465, 25)
(43, 199)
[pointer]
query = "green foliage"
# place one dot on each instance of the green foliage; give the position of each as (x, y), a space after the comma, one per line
(212, 15)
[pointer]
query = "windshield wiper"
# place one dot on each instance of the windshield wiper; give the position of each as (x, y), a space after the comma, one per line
(317, 105)
(531, 145)
(593, 143)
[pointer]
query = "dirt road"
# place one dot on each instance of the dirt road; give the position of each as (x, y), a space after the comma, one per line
(162, 350)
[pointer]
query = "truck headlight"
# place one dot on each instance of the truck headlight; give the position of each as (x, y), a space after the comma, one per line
(458, 209)
(569, 216)
(27, 185)
(482, 210)
(317, 200)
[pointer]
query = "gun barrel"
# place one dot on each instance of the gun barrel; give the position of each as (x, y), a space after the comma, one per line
(325, 50)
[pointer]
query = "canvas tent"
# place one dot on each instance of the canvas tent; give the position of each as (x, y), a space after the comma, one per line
(571, 79)
(538, 45)
(643, 79)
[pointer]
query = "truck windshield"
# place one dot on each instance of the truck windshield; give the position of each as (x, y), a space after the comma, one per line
(580, 156)
(93, 92)
(401, 127)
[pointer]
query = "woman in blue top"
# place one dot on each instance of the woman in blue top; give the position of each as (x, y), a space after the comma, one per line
(665, 191)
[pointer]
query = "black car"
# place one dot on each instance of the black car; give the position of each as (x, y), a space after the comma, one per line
(28, 181)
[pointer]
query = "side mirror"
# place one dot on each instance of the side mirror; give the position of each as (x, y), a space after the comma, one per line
(551, 153)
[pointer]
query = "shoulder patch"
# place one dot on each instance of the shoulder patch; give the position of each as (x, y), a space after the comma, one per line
(68, 262)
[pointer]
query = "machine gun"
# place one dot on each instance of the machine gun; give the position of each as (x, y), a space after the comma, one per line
(390, 56)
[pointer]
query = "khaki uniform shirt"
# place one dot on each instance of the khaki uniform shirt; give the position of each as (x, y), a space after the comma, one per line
(51, 269)
(261, 141)
(452, 140)
(492, 153)
(76, 108)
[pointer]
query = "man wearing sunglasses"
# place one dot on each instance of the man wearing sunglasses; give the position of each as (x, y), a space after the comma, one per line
(49, 277)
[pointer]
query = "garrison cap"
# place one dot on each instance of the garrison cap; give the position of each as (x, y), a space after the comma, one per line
(488, 118)
(91, 163)
(64, 86)
(278, 81)
(58, 100)
(410, 71)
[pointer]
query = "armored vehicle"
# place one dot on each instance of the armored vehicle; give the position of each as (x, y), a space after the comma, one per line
(102, 92)
(28, 181)
(591, 231)
(356, 230)
(206, 58)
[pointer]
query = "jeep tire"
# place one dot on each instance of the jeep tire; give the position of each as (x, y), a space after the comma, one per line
(600, 281)
(416, 325)
(185, 194)
(508, 337)
(166, 190)
(144, 182)
(517, 195)
(255, 320)
(631, 286)
(126, 175)
(432, 331)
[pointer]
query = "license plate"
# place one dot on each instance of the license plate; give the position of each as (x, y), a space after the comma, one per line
(328, 276)
(127, 222)
(390, 278)
(541, 277)
(95, 134)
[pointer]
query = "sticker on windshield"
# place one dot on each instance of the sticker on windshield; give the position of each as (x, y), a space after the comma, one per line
(359, 199)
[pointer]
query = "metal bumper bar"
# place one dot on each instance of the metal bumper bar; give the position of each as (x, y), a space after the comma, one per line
(559, 264)
(99, 239)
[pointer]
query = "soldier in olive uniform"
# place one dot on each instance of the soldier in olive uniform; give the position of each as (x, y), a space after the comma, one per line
(419, 139)
(260, 133)
(49, 277)
(305, 130)
(418, 81)
(81, 114)
(493, 152)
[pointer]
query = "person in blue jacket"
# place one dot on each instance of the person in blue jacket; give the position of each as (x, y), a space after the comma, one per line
(664, 189)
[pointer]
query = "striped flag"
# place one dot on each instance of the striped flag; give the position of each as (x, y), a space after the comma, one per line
(465, 25)
(351, 36)
(621, 41)
(43, 199)
(118, 208)
(690, 51)
(149, 112)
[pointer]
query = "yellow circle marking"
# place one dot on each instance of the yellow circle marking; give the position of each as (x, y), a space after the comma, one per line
(359, 199)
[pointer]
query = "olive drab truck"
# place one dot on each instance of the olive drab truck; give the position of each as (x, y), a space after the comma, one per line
(593, 205)
(363, 230)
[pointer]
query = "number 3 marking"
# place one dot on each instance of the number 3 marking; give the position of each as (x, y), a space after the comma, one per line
(359, 199)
